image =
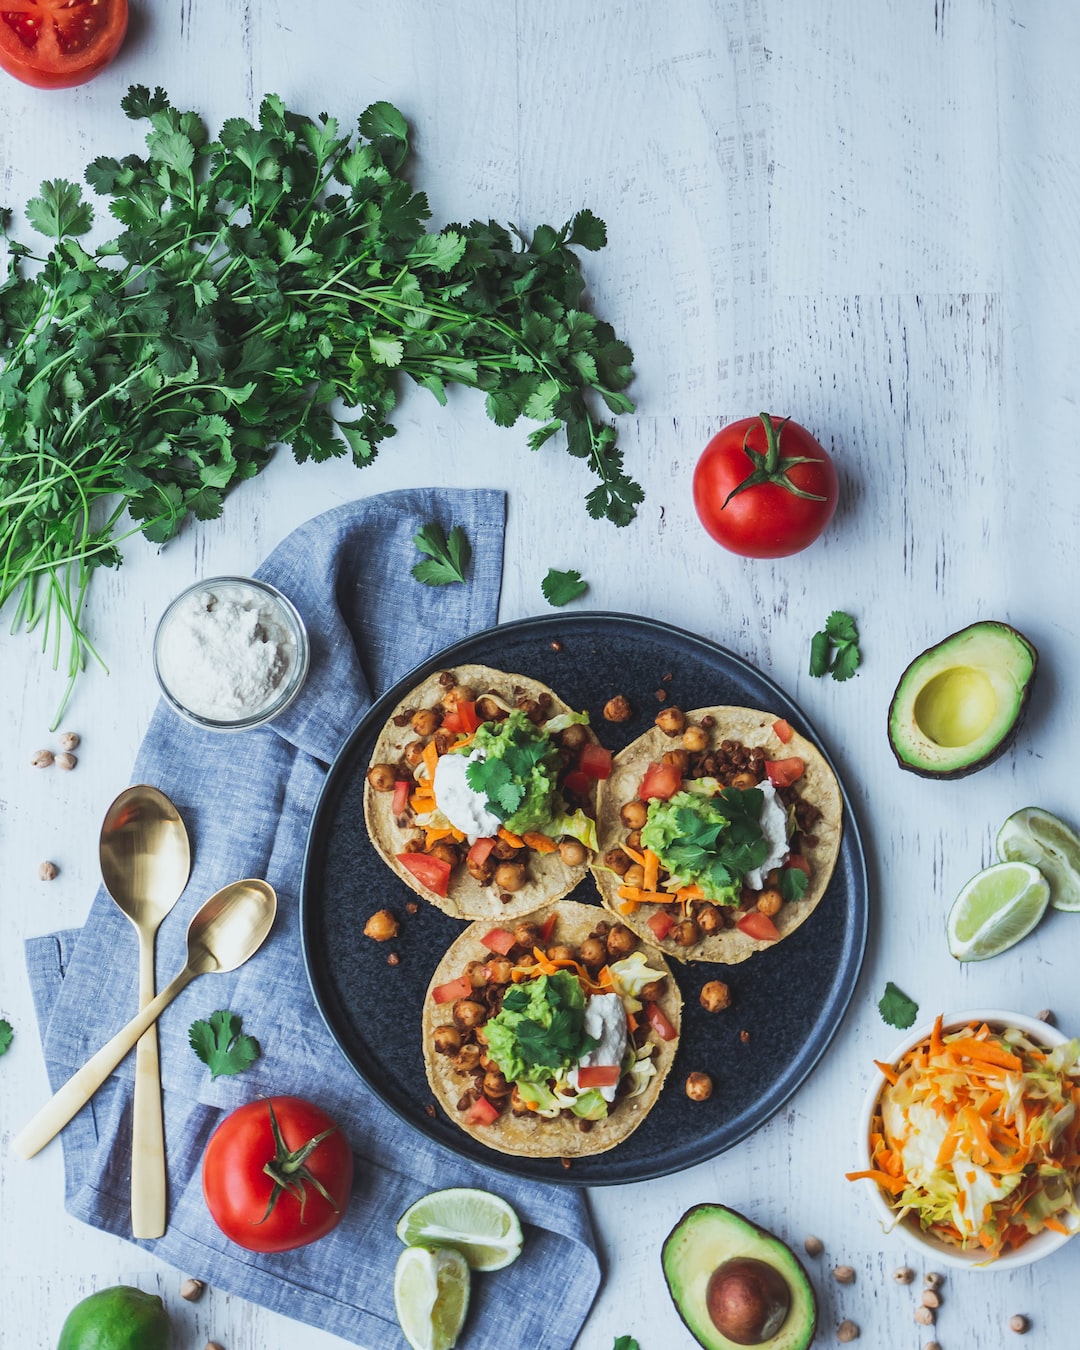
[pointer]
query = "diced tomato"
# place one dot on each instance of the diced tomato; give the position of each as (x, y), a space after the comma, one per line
(434, 873)
(659, 1022)
(797, 860)
(661, 924)
(598, 1075)
(577, 782)
(452, 990)
(757, 925)
(499, 940)
(452, 722)
(466, 711)
(402, 788)
(661, 780)
(783, 730)
(548, 927)
(784, 772)
(480, 851)
(481, 1112)
(595, 760)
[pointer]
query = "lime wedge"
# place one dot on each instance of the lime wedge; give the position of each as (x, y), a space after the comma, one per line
(1037, 837)
(431, 1296)
(996, 908)
(480, 1225)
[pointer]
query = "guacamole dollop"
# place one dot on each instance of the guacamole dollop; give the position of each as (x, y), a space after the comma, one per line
(540, 1030)
(711, 841)
(516, 770)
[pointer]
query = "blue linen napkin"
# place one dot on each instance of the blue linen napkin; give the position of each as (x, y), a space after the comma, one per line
(247, 801)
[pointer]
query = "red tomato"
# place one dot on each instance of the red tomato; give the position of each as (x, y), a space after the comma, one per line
(480, 851)
(799, 862)
(595, 761)
(54, 44)
(661, 780)
(481, 1112)
(783, 730)
(659, 1022)
(548, 927)
(577, 782)
(257, 1160)
(757, 925)
(765, 489)
(499, 940)
(661, 924)
(784, 772)
(598, 1075)
(452, 990)
(466, 711)
(402, 788)
(434, 873)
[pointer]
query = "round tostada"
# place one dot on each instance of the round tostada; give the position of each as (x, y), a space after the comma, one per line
(481, 792)
(718, 831)
(550, 1037)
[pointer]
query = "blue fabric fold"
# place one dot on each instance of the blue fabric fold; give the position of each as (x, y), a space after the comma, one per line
(247, 800)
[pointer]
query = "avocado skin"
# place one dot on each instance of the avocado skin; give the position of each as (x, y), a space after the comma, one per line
(1008, 736)
(706, 1236)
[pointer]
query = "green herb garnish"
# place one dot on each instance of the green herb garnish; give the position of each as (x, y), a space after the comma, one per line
(793, 883)
(540, 1029)
(625, 1343)
(260, 283)
(518, 756)
(896, 1008)
(447, 557)
(221, 1046)
(835, 649)
(561, 587)
(713, 841)
(6, 1034)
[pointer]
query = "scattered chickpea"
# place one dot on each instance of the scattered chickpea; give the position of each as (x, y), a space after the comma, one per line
(686, 933)
(813, 1246)
(192, 1290)
(510, 876)
(559, 951)
(41, 759)
(930, 1299)
(661, 696)
(695, 739)
(903, 1275)
(847, 1331)
(933, 1280)
(382, 777)
(593, 952)
(1046, 1015)
(931, 1345)
(47, 871)
(844, 1274)
(65, 761)
(925, 1316)
(699, 1087)
(213, 1345)
(414, 753)
(709, 918)
(1019, 1323)
(393, 959)
(744, 1036)
(381, 926)
(671, 721)
(617, 709)
(70, 740)
(634, 814)
(653, 992)
(468, 1013)
(715, 996)
(634, 875)
(459, 693)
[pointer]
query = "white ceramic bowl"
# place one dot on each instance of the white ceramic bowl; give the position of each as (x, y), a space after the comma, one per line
(908, 1229)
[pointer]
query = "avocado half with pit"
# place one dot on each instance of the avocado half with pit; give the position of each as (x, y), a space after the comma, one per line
(959, 705)
(736, 1284)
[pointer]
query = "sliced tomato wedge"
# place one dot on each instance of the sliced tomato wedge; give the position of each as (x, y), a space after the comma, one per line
(466, 711)
(451, 722)
(452, 990)
(499, 940)
(595, 760)
(402, 788)
(661, 780)
(661, 924)
(548, 927)
(757, 925)
(480, 851)
(54, 44)
(577, 782)
(481, 1112)
(434, 873)
(798, 861)
(659, 1022)
(783, 730)
(598, 1075)
(784, 772)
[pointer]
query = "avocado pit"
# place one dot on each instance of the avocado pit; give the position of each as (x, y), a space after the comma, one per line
(748, 1300)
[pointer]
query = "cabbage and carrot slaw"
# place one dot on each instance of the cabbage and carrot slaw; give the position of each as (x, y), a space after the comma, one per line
(976, 1133)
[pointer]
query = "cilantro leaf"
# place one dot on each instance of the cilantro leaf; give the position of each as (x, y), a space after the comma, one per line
(793, 883)
(896, 1008)
(625, 1343)
(6, 1034)
(841, 627)
(448, 557)
(221, 1046)
(835, 649)
(846, 662)
(60, 210)
(561, 587)
(819, 654)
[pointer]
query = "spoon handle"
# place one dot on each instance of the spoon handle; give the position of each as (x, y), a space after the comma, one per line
(84, 1082)
(147, 1123)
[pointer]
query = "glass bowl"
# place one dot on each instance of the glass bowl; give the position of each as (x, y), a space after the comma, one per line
(230, 653)
(908, 1229)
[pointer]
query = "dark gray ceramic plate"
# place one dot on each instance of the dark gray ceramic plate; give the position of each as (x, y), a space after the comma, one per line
(788, 999)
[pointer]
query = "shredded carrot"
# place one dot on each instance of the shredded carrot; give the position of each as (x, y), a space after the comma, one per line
(986, 1051)
(651, 865)
(430, 758)
(628, 907)
(893, 1184)
(887, 1069)
(936, 1043)
(641, 896)
(539, 843)
(432, 833)
(512, 839)
(690, 893)
(633, 855)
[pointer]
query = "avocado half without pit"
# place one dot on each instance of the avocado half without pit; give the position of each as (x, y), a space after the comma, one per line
(958, 706)
(736, 1284)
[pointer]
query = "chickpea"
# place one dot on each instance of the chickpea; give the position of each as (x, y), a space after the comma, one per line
(499, 969)
(413, 845)
(616, 861)
(671, 721)
(458, 693)
(686, 933)
(744, 780)
(480, 871)
(559, 952)
(653, 991)
(382, 777)
(708, 918)
(715, 996)
(503, 851)
(414, 753)
(526, 959)
(381, 926)
(477, 973)
(617, 709)
(620, 941)
(469, 1014)
(769, 902)
(573, 852)
(574, 737)
(488, 710)
(633, 840)
(527, 935)
(467, 1058)
(634, 875)
(592, 952)
(444, 739)
(445, 851)
(447, 1040)
(634, 814)
(699, 1087)
(495, 1085)
(677, 759)
(510, 876)
(530, 708)
(424, 721)
(695, 739)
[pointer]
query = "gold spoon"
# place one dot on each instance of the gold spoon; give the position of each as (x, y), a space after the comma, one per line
(145, 861)
(229, 928)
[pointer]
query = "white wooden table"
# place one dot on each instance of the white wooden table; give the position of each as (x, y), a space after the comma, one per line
(863, 215)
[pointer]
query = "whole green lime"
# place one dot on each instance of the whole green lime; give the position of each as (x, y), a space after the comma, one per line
(120, 1318)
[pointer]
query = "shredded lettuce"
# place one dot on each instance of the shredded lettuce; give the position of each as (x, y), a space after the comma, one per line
(563, 720)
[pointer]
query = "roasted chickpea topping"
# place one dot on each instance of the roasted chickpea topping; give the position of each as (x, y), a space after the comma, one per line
(447, 679)
(620, 941)
(634, 814)
(445, 851)
(527, 935)
(677, 759)
(495, 1085)
(617, 861)
(381, 926)
(424, 721)
(414, 753)
(457, 693)
(686, 933)
(708, 918)
(477, 973)
(467, 1059)
(382, 777)
(715, 996)
(634, 875)
(480, 871)
(592, 952)
(488, 710)
(510, 876)
(653, 990)
(413, 845)
(446, 1040)
(468, 1013)
(699, 1087)
(499, 969)
(769, 902)
(518, 1104)
(526, 959)
(618, 709)
(503, 851)
(744, 780)
(574, 737)
(573, 852)
(559, 952)
(695, 739)
(671, 721)
(444, 739)
(530, 708)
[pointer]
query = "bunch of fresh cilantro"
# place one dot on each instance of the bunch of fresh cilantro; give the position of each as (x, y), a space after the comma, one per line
(271, 286)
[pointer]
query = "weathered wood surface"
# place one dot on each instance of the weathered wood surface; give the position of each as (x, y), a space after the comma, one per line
(862, 215)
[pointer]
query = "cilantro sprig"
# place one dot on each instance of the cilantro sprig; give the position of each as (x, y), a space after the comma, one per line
(896, 1008)
(221, 1045)
(835, 649)
(719, 851)
(560, 588)
(447, 556)
(519, 757)
(563, 1038)
(7, 1034)
(259, 283)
